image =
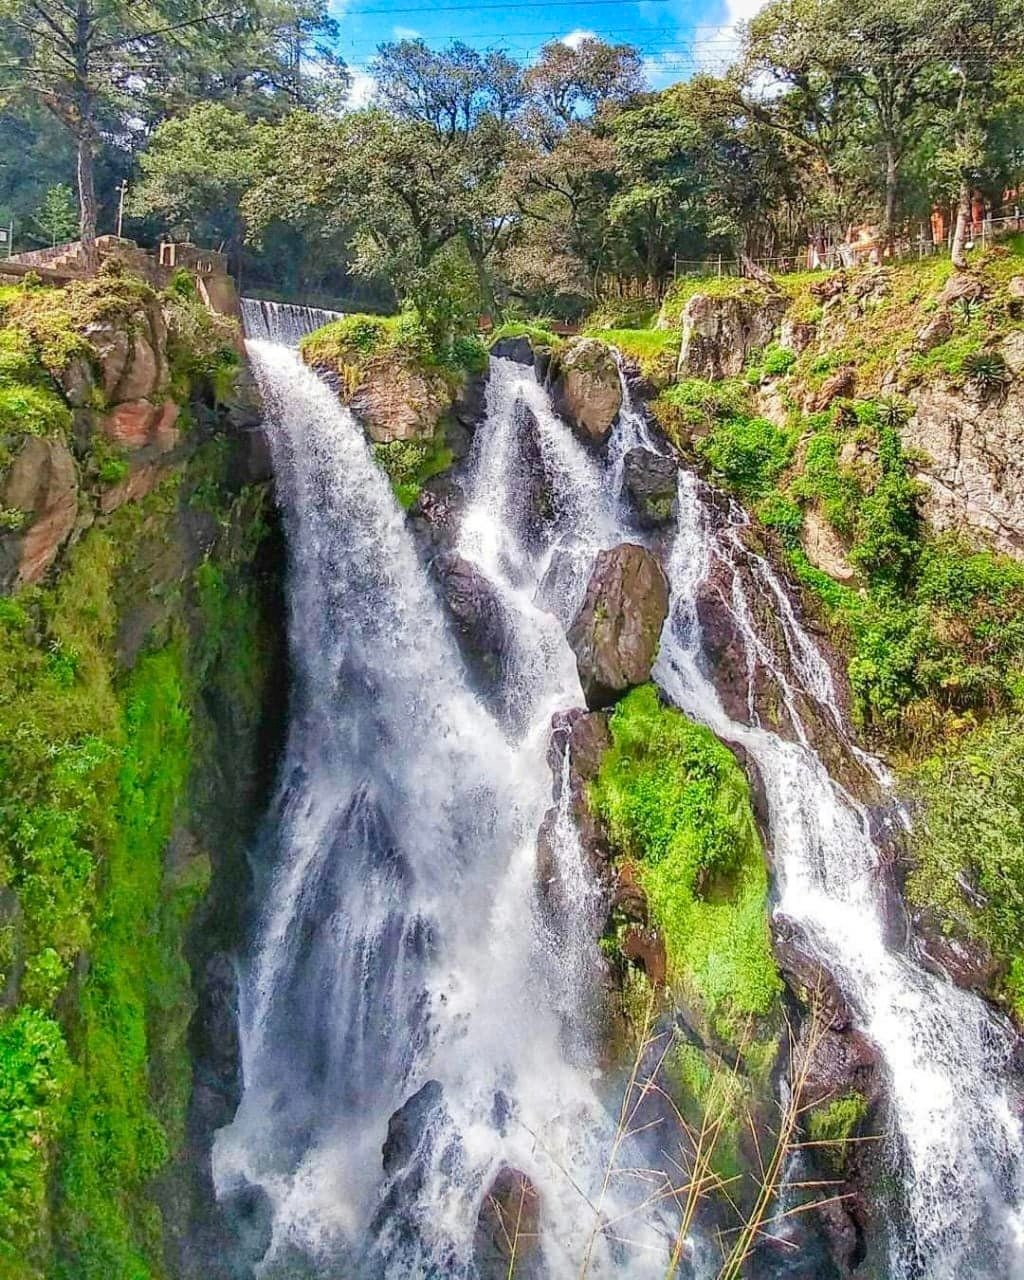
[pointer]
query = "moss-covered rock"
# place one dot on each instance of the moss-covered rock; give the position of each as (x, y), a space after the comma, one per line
(114, 679)
(395, 377)
(676, 803)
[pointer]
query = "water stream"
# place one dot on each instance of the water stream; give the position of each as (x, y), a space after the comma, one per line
(401, 941)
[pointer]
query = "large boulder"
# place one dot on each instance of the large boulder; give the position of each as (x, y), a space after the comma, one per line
(508, 1228)
(40, 489)
(395, 400)
(587, 390)
(616, 632)
(477, 612)
(971, 462)
(650, 479)
(719, 334)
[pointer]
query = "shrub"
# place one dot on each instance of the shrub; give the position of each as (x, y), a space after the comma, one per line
(748, 454)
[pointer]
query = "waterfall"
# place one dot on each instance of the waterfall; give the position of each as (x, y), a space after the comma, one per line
(401, 949)
(945, 1054)
(282, 322)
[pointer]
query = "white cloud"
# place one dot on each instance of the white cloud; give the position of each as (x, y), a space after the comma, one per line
(362, 89)
(575, 38)
(716, 48)
(405, 33)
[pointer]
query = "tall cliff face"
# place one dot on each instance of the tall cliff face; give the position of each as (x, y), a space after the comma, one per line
(141, 702)
(872, 422)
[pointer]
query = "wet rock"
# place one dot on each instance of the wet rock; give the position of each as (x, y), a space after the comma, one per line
(720, 333)
(247, 1214)
(470, 406)
(538, 499)
(586, 389)
(217, 1085)
(841, 385)
(479, 618)
(585, 735)
(520, 350)
(42, 486)
(806, 976)
(650, 480)
(508, 1228)
(436, 512)
(968, 963)
(140, 480)
(628, 896)
(840, 1062)
(616, 632)
(408, 1125)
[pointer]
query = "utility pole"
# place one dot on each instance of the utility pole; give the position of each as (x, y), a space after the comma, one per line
(122, 192)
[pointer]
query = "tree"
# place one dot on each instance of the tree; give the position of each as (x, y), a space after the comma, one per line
(196, 171)
(56, 216)
(982, 41)
(103, 62)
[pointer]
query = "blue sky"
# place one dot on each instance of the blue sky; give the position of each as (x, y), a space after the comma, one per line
(673, 35)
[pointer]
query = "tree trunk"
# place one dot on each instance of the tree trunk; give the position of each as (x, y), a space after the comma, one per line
(891, 191)
(963, 222)
(86, 197)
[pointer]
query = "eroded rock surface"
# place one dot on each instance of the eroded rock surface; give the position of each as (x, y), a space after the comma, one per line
(586, 389)
(720, 333)
(616, 632)
(41, 487)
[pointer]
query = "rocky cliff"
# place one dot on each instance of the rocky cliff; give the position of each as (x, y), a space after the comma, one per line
(141, 700)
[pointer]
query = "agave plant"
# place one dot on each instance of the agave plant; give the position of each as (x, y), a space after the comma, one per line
(893, 412)
(965, 309)
(986, 371)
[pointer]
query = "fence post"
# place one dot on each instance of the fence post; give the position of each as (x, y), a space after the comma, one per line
(719, 266)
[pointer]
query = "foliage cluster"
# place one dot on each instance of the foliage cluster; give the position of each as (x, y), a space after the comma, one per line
(676, 802)
(968, 842)
(654, 351)
(410, 463)
(96, 990)
(352, 342)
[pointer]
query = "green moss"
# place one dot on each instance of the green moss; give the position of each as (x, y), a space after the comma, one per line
(654, 350)
(686, 287)
(34, 1077)
(347, 345)
(714, 1097)
(114, 1141)
(675, 800)
(968, 840)
(835, 1124)
(694, 406)
(538, 335)
(747, 454)
(409, 464)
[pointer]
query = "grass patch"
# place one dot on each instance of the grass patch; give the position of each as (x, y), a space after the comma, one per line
(348, 344)
(654, 350)
(539, 337)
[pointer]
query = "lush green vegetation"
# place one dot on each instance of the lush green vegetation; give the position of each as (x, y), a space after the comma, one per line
(96, 765)
(654, 351)
(968, 843)
(677, 804)
(410, 463)
(349, 344)
(540, 337)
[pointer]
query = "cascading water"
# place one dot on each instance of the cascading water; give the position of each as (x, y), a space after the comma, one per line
(401, 941)
(945, 1054)
(284, 322)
